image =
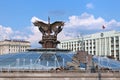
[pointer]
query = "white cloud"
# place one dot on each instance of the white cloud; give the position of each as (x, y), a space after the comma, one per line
(36, 36)
(89, 6)
(19, 37)
(89, 22)
(9, 33)
(5, 32)
(113, 24)
(85, 21)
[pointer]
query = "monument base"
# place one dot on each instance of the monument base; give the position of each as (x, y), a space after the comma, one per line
(49, 41)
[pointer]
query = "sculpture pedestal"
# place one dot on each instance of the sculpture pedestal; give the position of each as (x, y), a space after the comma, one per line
(49, 41)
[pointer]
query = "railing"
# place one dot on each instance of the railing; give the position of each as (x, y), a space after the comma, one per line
(5, 70)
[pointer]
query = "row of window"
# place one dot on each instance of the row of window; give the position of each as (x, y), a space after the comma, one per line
(18, 46)
(17, 50)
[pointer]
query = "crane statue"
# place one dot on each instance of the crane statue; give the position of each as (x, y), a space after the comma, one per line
(49, 32)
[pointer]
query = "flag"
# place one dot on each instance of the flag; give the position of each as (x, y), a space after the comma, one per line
(103, 27)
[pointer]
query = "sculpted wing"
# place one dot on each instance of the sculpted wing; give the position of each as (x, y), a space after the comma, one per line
(57, 23)
(44, 26)
(56, 26)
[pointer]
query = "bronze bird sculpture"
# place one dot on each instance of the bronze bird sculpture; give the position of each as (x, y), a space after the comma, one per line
(48, 29)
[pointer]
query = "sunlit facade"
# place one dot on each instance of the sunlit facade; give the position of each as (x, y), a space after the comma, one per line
(72, 44)
(13, 46)
(102, 43)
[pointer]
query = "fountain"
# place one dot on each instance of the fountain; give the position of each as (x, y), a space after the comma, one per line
(46, 58)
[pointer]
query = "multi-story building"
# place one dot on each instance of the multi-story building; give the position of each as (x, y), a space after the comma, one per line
(72, 44)
(13, 46)
(102, 44)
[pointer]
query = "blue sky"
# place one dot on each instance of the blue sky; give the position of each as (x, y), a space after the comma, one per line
(80, 17)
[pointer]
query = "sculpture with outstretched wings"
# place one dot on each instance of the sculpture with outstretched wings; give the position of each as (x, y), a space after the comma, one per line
(55, 27)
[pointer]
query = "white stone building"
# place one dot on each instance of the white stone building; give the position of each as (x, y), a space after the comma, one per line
(102, 43)
(72, 44)
(13, 46)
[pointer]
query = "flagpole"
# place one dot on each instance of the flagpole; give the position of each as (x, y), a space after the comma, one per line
(99, 72)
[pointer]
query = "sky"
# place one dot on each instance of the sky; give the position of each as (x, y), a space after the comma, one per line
(81, 17)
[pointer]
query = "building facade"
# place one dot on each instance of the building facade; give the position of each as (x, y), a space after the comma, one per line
(72, 44)
(102, 44)
(13, 46)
